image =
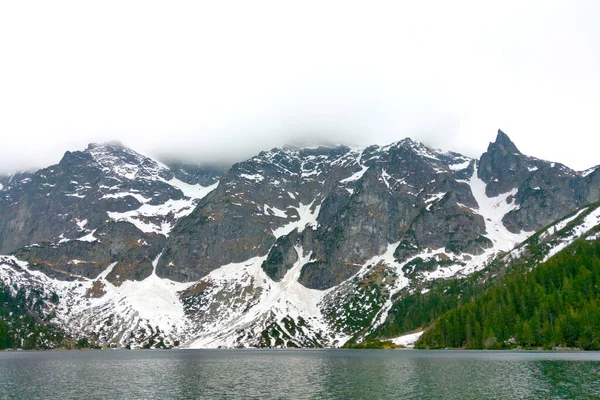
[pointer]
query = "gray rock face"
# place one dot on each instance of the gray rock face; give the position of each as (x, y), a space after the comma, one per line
(251, 207)
(589, 186)
(346, 206)
(503, 167)
(546, 190)
(342, 206)
(323, 274)
(95, 207)
(403, 181)
(446, 223)
(282, 258)
(115, 242)
(196, 174)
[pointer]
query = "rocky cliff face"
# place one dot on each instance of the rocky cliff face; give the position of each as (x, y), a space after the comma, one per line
(342, 205)
(545, 190)
(293, 247)
(102, 205)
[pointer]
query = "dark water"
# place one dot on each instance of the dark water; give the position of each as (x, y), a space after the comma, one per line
(303, 374)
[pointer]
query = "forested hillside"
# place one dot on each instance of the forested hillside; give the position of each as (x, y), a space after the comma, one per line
(21, 325)
(555, 304)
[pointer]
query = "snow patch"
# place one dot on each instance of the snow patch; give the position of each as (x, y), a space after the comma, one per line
(87, 238)
(582, 173)
(196, 192)
(162, 217)
(593, 237)
(433, 198)
(385, 177)
(121, 195)
(408, 340)
(277, 300)
(356, 176)
(459, 167)
(308, 217)
(493, 209)
(81, 224)
(590, 221)
(268, 210)
(254, 177)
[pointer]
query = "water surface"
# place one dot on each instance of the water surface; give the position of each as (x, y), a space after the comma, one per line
(299, 374)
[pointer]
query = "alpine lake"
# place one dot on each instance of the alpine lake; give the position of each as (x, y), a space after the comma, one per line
(299, 374)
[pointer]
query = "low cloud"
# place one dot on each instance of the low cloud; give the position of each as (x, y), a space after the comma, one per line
(206, 84)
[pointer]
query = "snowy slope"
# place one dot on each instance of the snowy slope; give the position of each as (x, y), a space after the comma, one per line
(120, 316)
(275, 301)
(287, 193)
(337, 305)
(152, 215)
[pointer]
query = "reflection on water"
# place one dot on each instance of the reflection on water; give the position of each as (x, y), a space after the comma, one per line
(298, 374)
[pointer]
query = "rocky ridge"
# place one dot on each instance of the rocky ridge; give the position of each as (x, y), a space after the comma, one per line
(294, 247)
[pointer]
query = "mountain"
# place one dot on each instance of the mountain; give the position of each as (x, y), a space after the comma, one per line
(296, 247)
(95, 207)
(552, 305)
(544, 190)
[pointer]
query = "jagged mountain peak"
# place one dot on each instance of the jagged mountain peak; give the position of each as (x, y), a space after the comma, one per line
(115, 144)
(407, 143)
(421, 149)
(291, 150)
(589, 171)
(503, 167)
(338, 149)
(504, 143)
(113, 158)
(116, 158)
(104, 184)
(319, 238)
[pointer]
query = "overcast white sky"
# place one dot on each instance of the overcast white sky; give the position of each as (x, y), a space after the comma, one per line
(223, 80)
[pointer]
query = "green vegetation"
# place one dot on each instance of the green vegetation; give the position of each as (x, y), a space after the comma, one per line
(555, 304)
(362, 307)
(412, 268)
(291, 334)
(415, 309)
(373, 344)
(353, 310)
(22, 324)
(273, 262)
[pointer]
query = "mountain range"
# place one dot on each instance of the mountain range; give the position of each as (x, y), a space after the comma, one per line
(295, 247)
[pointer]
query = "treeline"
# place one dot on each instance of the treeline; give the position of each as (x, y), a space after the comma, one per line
(412, 311)
(415, 310)
(21, 322)
(555, 304)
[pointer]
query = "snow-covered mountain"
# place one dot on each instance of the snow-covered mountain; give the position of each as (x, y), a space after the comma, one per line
(297, 247)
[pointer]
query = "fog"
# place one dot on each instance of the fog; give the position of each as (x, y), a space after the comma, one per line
(220, 81)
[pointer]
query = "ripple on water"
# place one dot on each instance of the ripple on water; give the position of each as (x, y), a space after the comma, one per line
(301, 374)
